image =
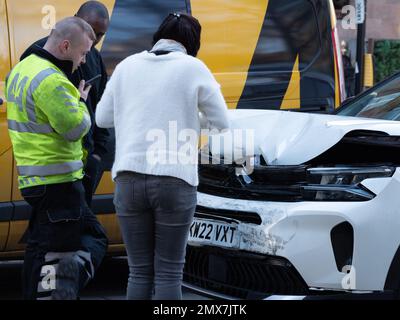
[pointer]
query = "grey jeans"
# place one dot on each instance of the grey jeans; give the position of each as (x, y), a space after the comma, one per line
(155, 214)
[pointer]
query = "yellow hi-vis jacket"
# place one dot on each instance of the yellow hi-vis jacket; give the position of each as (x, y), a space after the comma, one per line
(46, 122)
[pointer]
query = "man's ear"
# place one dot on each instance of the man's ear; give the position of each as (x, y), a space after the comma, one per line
(64, 46)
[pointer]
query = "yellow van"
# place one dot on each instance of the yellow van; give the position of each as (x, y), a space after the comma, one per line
(271, 54)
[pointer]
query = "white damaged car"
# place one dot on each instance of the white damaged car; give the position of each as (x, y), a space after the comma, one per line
(318, 215)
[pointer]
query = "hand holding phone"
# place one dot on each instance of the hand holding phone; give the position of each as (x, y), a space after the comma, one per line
(84, 90)
(90, 81)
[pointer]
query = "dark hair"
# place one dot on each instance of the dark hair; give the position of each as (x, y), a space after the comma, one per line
(93, 7)
(182, 28)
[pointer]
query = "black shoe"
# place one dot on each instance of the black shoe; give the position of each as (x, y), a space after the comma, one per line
(67, 280)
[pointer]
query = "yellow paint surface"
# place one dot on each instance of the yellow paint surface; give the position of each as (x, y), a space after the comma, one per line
(106, 185)
(5, 172)
(231, 30)
(3, 234)
(27, 15)
(17, 229)
(292, 99)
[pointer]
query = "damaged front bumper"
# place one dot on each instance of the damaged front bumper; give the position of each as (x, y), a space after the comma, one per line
(291, 248)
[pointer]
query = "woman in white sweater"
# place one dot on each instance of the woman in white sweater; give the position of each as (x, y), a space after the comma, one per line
(153, 100)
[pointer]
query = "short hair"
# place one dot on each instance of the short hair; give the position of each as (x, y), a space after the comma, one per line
(70, 28)
(182, 28)
(93, 8)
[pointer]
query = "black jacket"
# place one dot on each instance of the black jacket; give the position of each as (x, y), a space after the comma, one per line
(96, 140)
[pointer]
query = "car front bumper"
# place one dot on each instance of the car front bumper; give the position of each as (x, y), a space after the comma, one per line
(300, 232)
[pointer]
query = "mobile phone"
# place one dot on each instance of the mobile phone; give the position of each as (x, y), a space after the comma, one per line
(90, 81)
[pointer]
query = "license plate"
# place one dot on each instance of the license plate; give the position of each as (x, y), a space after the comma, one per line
(214, 233)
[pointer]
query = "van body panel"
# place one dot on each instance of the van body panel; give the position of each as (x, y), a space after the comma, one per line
(239, 41)
(230, 35)
(17, 229)
(291, 29)
(5, 143)
(35, 16)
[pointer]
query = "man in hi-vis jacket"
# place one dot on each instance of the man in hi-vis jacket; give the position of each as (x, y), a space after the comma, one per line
(47, 120)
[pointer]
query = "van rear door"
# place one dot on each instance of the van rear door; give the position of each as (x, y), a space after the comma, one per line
(6, 160)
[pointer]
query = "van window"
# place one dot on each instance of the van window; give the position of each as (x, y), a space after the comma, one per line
(133, 24)
(290, 28)
(291, 42)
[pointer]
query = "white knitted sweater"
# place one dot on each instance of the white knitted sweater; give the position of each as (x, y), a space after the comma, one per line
(150, 96)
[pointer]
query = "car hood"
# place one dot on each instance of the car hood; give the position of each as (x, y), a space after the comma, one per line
(292, 138)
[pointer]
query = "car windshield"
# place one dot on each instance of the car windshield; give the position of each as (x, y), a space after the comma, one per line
(380, 103)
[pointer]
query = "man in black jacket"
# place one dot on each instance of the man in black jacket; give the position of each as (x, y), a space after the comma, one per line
(96, 14)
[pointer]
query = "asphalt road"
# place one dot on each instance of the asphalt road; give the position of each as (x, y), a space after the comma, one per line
(109, 284)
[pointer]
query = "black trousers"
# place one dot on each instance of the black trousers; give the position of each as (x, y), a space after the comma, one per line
(93, 173)
(61, 223)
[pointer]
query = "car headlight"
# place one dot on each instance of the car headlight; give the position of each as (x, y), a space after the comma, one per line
(288, 182)
(342, 183)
